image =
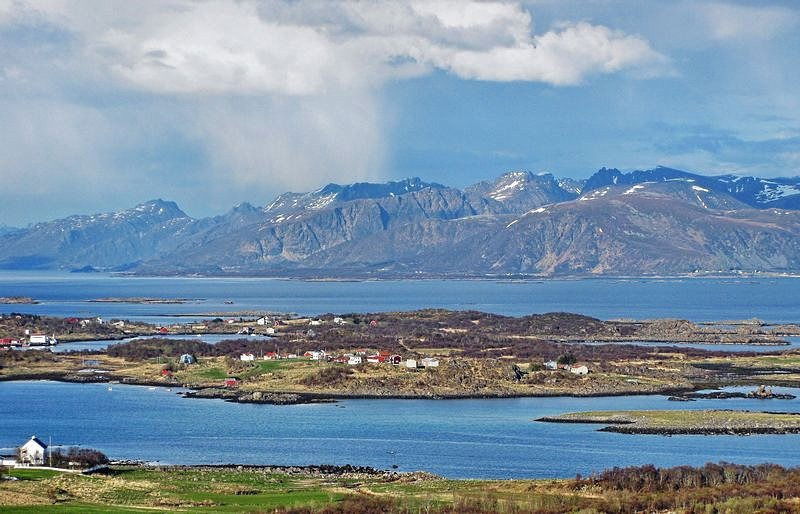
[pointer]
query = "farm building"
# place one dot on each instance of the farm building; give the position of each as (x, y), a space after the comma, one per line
(33, 452)
(187, 359)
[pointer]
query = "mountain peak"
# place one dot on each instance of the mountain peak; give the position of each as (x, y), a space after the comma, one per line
(165, 208)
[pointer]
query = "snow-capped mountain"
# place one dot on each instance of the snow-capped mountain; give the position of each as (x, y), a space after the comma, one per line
(518, 191)
(644, 222)
(754, 191)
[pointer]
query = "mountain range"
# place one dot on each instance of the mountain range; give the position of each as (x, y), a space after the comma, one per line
(661, 221)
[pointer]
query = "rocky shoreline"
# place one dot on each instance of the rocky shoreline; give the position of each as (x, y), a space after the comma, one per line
(306, 397)
(741, 431)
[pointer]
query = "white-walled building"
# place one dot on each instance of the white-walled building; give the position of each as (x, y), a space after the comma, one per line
(579, 370)
(247, 357)
(34, 452)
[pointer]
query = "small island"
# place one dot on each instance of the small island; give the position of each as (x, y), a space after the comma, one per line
(142, 300)
(685, 422)
(21, 300)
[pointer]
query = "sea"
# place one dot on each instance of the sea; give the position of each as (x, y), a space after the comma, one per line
(493, 438)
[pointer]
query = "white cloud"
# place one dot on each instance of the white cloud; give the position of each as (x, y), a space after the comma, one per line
(308, 47)
(276, 94)
(728, 21)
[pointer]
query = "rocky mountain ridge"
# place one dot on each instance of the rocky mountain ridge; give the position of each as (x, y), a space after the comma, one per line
(659, 221)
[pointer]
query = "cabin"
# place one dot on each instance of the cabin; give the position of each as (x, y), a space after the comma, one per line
(411, 363)
(73, 321)
(373, 359)
(316, 355)
(118, 324)
(579, 370)
(8, 341)
(315, 322)
(262, 321)
(354, 360)
(231, 382)
(163, 330)
(187, 358)
(270, 331)
(395, 360)
(373, 323)
(166, 373)
(551, 365)
(271, 356)
(429, 362)
(338, 321)
(247, 357)
(33, 452)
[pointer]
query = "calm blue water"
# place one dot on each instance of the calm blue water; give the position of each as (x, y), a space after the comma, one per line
(64, 294)
(454, 438)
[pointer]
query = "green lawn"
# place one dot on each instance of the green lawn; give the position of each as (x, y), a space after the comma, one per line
(32, 474)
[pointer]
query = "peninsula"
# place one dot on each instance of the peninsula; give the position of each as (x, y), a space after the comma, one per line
(417, 354)
(678, 422)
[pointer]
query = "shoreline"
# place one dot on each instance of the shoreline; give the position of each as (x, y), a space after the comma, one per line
(306, 397)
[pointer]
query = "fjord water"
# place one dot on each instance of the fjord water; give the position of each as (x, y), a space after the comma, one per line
(65, 294)
(456, 438)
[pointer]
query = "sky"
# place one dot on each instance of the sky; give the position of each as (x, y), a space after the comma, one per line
(108, 103)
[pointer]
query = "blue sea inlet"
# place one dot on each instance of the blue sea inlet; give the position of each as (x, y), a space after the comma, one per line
(494, 438)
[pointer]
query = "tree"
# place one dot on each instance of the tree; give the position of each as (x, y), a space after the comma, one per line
(566, 359)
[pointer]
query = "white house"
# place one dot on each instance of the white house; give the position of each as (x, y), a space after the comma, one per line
(430, 362)
(551, 365)
(270, 331)
(579, 370)
(317, 355)
(262, 321)
(33, 452)
(354, 360)
(118, 324)
(315, 322)
(41, 339)
(411, 363)
(247, 357)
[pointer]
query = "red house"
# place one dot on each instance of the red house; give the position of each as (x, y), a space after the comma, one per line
(163, 330)
(231, 382)
(166, 373)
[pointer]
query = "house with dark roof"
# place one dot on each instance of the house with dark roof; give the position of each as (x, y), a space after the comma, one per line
(33, 452)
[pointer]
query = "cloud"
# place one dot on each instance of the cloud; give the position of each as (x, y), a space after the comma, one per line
(112, 102)
(716, 150)
(727, 21)
(309, 47)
